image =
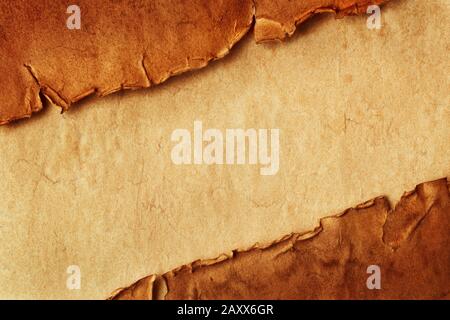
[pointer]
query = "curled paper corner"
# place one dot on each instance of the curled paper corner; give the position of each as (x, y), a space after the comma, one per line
(141, 289)
(408, 243)
(129, 46)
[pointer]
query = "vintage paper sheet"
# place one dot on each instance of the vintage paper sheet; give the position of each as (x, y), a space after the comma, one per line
(361, 113)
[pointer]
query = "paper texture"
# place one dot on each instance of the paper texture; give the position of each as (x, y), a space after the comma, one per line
(361, 113)
(408, 244)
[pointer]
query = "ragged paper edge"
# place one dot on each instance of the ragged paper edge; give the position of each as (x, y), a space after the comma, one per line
(146, 289)
(266, 29)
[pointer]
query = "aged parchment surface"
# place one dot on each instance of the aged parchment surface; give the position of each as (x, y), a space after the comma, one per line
(361, 112)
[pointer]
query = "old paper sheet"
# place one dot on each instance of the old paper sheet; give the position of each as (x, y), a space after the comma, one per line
(361, 113)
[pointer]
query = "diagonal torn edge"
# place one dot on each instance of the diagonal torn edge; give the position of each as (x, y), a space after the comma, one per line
(410, 244)
(166, 37)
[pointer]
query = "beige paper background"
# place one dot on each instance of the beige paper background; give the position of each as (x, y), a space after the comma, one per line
(362, 113)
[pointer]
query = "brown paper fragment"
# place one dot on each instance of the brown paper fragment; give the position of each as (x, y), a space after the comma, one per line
(276, 20)
(127, 44)
(121, 45)
(409, 243)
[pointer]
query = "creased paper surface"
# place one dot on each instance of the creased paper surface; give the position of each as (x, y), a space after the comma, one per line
(361, 112)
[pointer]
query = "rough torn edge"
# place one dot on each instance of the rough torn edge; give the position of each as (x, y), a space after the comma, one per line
(156, 284)
(45, 92)
(282, 32)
